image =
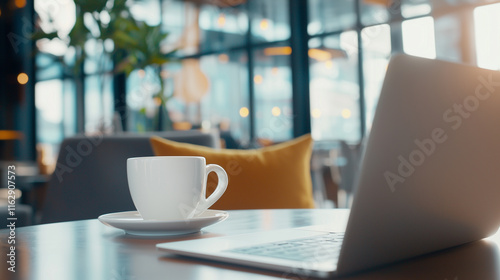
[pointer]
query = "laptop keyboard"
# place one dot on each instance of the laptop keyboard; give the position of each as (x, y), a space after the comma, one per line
(312, 249)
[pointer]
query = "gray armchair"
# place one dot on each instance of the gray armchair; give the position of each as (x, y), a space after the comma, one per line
(91, 175)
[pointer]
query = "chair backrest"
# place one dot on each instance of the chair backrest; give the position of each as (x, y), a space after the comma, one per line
(91, 173)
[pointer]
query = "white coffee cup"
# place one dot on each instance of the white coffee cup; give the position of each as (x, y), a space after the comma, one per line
(168, 188)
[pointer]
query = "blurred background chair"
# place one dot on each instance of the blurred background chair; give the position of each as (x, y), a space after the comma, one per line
(91, 175)
(348, 163)
(334, 170)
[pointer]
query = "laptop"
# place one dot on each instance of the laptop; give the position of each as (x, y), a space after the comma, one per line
(429, 180)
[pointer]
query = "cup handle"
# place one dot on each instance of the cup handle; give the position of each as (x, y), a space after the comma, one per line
(219, 190)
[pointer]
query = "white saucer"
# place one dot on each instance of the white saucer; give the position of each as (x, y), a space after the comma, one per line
(132, 223)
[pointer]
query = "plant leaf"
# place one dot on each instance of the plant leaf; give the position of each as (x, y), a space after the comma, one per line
(42, 35)
(90, 6)
(78, 35)
(124, 40)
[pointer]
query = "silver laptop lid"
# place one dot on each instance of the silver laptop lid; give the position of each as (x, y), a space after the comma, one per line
(430, 178)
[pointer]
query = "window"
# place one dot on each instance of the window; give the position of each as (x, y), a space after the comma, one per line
(273, 93)
(142, 106)
(487, 30)
(99, 105)
(55, 118)
(227, 94)
(54, 95)
(376, 54)
(49, 105)
(449, 38)
(321, 13)
(334, 88)
(234, 67)
(376, 11)
(412, 8)
(269, 21)
(418, 37)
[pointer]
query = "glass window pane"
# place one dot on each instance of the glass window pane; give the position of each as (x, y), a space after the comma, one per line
(376, 54)
(142, 106)
(418, 37)
(273, 94)
(269, 20)
(448, 38)
(328, 16)
(69, 108)
(487, 30)
(173, 20)
(222, 28)
(55, 105)
(226, 104)
(98, 103)
(193, 29)
(376, 11)
(97, 61)
(413, 8)
(208, 92)
(47, 67)
(442, 5)
(49, 110)
(334, 88)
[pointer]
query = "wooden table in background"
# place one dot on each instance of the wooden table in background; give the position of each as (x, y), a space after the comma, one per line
(90, 250)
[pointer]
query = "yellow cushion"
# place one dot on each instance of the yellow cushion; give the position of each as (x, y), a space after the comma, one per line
(272, 177)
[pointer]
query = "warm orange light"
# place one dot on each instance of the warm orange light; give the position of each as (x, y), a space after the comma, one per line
(11, 135)
(223, 58)
(278, 51)
(316, 113)
(329, 64)
(264, 24)
(22, 78)
(346, 113)
(276, 111)
(258, 79)
(221, 20)
(319, 55)
(20, 3)
(182, 125)
(244, 112)
(141, 73)
(378, 2)
(275, 70)
(0, 12)
(157, 101)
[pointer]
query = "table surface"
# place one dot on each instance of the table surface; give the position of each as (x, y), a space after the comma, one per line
(90, 250)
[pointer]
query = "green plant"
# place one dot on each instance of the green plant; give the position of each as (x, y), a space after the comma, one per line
(136, 45)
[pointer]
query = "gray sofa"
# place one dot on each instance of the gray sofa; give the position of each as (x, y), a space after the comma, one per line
(91, 176)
